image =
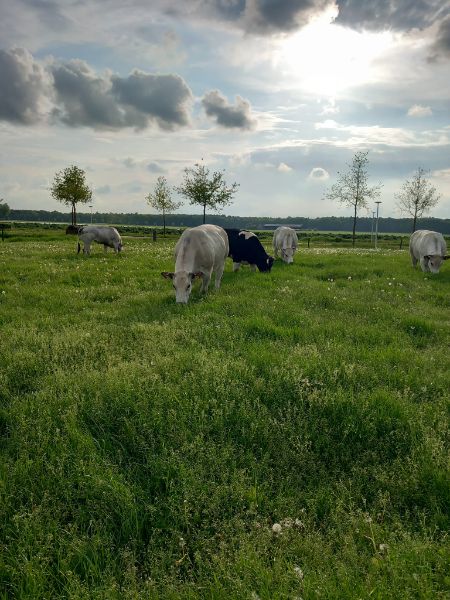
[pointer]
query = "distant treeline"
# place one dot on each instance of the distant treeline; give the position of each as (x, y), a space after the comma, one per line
(364, 224)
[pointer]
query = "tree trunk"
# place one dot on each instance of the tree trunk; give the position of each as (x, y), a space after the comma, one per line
(74, 213)
(204, 213)
(354, 228)
(164, 224)
(414, 221)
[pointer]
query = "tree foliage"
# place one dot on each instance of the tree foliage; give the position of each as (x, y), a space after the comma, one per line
(161, 199)
(70, 188)
(4, 209)
(417, 196)
(205, 189)
(352, 187)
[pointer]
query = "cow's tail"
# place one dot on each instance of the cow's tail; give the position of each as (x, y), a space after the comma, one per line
(79, 248)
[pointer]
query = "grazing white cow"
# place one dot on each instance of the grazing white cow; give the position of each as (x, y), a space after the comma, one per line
(199, 252)
(285, 241)
(429, 248)
(108, 236)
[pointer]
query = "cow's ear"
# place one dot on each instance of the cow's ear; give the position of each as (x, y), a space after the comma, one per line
(167, 275)
(446, 257)
(194, 275)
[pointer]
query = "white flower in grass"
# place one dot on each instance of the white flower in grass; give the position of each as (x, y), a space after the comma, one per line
(276, 528)
(383, 548)
(299, 573)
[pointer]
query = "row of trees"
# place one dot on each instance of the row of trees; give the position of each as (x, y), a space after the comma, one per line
(199, 186)
(210, 191)
(416, 198)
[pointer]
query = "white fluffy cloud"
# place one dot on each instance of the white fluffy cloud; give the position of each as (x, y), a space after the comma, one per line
(419, 111)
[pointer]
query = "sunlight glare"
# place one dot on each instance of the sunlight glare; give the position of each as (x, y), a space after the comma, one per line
(326, 59)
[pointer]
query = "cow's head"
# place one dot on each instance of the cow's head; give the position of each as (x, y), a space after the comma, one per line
(434, 262)
(287, 254)
(182, 284)
(266, 265)
(119, 247)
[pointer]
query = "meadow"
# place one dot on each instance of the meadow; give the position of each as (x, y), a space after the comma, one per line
(283, 438)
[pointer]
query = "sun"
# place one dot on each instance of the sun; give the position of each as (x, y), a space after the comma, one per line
(325, 59)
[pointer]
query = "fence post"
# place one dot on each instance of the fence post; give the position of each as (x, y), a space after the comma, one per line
(154, 235)
(308, 241)
(3, 232)
(401, 243)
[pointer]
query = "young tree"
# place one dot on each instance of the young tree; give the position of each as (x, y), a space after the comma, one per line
(161, 201)
(352, 188)
(70, 188)
(417, 196)
(4, 209)
(211, 191)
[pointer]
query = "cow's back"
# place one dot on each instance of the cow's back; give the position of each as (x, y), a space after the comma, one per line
(201, 246)
(285, 237)
(427, 243)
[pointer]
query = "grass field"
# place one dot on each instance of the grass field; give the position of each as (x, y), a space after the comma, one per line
(148, 449)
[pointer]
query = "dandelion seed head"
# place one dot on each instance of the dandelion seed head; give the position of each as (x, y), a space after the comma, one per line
(276, 528)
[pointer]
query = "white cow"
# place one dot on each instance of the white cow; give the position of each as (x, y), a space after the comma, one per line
(199, 252)
(108, 236)
(285, 241)
(429, 248)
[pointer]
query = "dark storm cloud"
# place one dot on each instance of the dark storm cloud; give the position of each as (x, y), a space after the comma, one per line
(227, 115)
(162, 98)
(25, 84)
(86, 99)
(401, 15)
(441, 46)
(281, 16)
(253, 16)
(83, 98)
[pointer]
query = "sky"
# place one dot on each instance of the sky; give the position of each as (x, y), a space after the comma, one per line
(277, 94)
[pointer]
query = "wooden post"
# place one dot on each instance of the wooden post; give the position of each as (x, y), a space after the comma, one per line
(401, 243)
(309, 239)
(154, 235)
(3, 232)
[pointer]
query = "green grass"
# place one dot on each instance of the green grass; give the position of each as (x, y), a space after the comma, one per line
(148, 448)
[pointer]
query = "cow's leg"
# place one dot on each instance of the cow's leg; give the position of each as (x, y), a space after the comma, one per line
(206, 278)
(105, 248)
(424, 264)
(219, 273)
(236, 266)
(253, 268)
(413, 259)
(87, 248)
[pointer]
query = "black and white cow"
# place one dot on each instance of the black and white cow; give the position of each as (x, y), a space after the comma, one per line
(245, 247)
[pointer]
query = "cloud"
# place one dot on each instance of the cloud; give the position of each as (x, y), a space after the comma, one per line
(160, 98)
(280, 16)
(154, 167)
(227, 115)
(25, 87)
(74, 94)
(419, 111)
(318, 174)
(378, 15)
(284, 168)
(112, 102)
(441, 46)
(84, 99)
(103, 189)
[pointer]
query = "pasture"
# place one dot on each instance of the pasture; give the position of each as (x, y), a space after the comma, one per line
(147, 449)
